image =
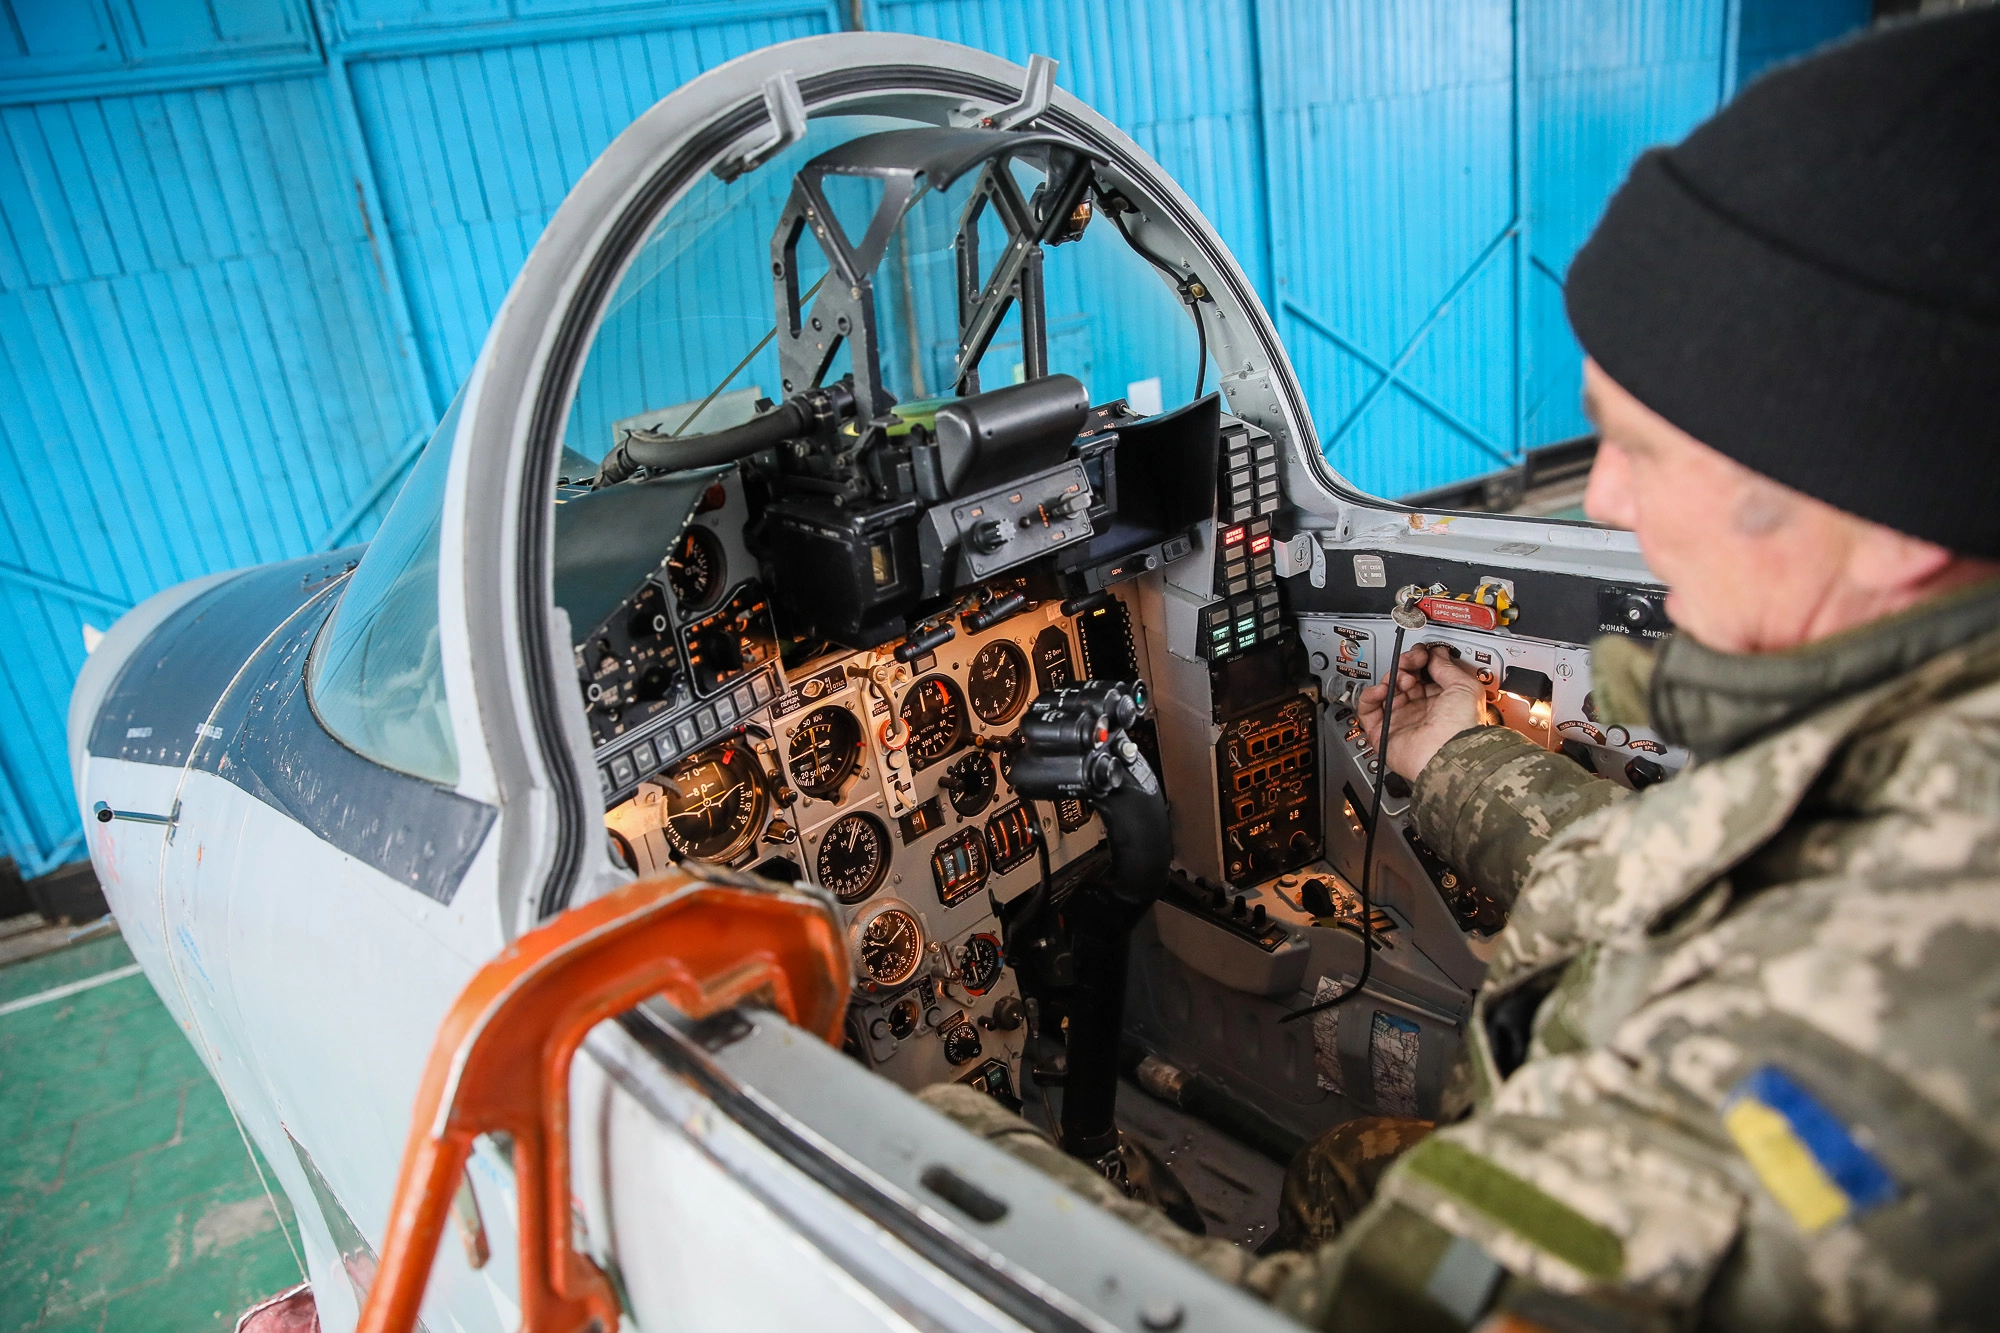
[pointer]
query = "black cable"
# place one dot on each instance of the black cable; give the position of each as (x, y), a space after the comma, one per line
(1200, 349)
(1185, 285)
(1368, 844)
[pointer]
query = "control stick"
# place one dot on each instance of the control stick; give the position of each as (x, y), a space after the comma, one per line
(1074, 743)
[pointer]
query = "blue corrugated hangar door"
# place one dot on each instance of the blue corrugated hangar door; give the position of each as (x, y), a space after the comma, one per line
(249, 247)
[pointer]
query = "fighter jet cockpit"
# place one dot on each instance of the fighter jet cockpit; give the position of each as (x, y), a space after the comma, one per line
(916, 543)
(881, 495)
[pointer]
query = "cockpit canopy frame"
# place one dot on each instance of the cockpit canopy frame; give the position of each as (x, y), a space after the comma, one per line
(907, 162)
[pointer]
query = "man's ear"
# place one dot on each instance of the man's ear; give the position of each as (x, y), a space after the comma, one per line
(1887, 561)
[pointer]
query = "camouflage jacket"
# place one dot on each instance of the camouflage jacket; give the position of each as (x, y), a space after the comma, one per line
(1734, 1065)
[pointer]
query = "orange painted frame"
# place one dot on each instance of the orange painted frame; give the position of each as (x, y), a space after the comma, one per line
(502, 1057)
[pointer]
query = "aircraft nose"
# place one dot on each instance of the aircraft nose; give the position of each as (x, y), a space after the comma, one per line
(110, 654)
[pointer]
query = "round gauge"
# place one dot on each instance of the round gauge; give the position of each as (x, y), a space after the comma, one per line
(696, 568)
(853, 857)
(715, 803)
(961, 1044)
(997, 685)
(971, 783)
(888, 946)
(905, 1017)
(934, 712)
(979, 963)
(825, 749)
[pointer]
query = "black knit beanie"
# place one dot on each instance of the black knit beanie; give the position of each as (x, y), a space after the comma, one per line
(1810, 282)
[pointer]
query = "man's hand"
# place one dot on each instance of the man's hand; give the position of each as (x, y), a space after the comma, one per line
(1436, 698)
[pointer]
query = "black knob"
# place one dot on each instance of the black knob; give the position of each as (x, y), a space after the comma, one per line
(988, 536)
(1644, 773)
(1636, 611)
(1237, 907)
(1007, 1014)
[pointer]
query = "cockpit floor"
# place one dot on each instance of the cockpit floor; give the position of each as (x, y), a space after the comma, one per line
(1235, 1187)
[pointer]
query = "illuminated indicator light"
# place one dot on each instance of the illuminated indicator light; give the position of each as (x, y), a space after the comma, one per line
(1232, 536)
(1259, 545)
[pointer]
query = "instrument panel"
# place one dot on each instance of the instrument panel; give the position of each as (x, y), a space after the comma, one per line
(874, 779)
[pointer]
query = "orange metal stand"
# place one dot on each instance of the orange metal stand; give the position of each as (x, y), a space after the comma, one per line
(502, 1058)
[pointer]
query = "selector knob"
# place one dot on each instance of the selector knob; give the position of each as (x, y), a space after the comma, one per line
(1637, 612)
(988, 536)
(1644, 772)
(1007, 1014)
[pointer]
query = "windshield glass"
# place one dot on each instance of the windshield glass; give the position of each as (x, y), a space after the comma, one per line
(686, 343)
(376, 679)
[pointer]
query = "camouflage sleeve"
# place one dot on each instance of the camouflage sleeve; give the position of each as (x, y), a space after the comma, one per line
(1489, 800)
(1591, 1222)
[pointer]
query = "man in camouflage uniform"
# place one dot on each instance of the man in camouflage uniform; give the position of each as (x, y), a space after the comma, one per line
(1736, 1063)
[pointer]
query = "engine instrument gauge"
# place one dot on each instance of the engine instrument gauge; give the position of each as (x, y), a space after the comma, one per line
(934, 711)
(853, 857)
(978, 964)
(997, 684)
(959, 866)
(1011, 836)
(720, 804)
(825, 750)
(970, 782)
(888, 945)
(696, 569)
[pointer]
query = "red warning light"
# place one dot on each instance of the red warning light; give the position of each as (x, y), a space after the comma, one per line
(1232, 536)
(1259, 545)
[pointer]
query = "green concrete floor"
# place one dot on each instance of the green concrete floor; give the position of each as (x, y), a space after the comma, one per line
(128, 1202)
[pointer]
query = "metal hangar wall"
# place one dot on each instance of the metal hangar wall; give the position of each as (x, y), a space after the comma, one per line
(249, 247)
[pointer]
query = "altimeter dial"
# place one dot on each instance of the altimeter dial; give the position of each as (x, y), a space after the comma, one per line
(997, 684)
(825, 750)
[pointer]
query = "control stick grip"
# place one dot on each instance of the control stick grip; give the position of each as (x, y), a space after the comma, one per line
(1074, 744)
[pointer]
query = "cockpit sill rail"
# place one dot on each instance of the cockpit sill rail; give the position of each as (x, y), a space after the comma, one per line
(687, 1050)
(726, 1061)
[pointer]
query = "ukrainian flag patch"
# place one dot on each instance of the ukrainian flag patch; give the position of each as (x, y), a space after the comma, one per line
(1802, 1153)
